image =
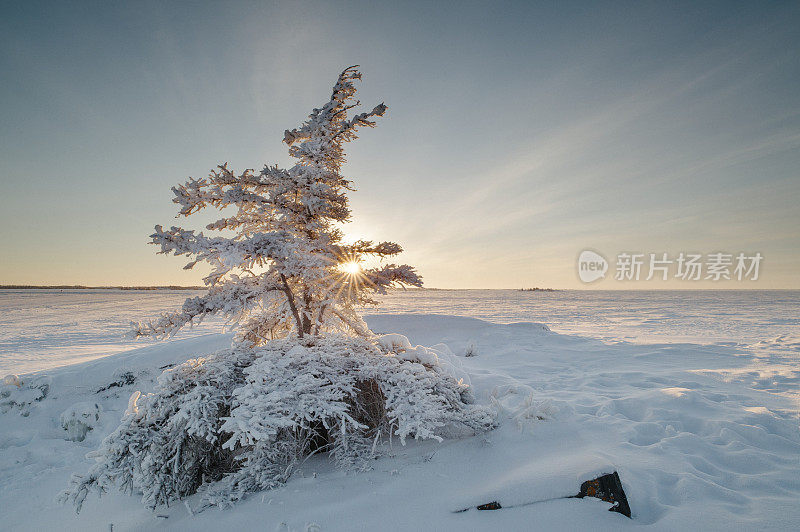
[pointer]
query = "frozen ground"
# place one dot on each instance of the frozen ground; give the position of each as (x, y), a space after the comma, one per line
(695, 402)
(43, 329)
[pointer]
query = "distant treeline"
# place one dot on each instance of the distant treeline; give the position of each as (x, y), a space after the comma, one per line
(537, 289)
(81, 287)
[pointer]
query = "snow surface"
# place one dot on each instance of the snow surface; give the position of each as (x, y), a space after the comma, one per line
(704, 435)
(43, 329)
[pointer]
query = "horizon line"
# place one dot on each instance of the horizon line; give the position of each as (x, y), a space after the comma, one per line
(535, 289)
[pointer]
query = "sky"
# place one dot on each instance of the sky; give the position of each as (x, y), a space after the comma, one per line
(518, 134)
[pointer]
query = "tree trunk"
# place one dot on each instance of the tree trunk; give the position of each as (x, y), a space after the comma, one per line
(306, 313)
(290, 298)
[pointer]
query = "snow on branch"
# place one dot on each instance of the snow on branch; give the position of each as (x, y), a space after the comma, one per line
(392, 274)
(381, 249)
(229, 299)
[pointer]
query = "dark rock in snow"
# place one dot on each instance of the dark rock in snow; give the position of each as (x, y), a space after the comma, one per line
(607, 488)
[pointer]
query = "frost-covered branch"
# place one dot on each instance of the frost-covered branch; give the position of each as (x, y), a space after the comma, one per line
(228, 299)
(381, 249)
(392, 275)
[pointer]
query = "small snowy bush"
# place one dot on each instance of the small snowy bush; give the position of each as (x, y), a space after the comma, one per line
(471, 350)
(16, 394)
(12, 380)
(121, 377)
(305, 374)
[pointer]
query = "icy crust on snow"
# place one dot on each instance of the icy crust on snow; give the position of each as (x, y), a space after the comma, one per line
(702, 437)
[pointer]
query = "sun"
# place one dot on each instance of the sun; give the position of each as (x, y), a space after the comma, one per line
(350, 268)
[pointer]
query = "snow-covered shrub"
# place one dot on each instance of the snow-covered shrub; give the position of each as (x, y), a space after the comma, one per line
(241, 420)
(79, 419)
(121, 377)
(12, 380)
(16, 394)
(471, 350)
(168, 442)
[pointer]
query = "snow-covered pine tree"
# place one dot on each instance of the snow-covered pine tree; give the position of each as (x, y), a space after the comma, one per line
(305, 374)
(286, 269)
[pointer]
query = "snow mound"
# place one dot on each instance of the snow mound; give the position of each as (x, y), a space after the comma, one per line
(438, 357)
(462, 335)
(79, 419)
(518, 403)
(394, 342)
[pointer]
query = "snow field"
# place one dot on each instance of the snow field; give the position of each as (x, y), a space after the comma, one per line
(698, 440)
